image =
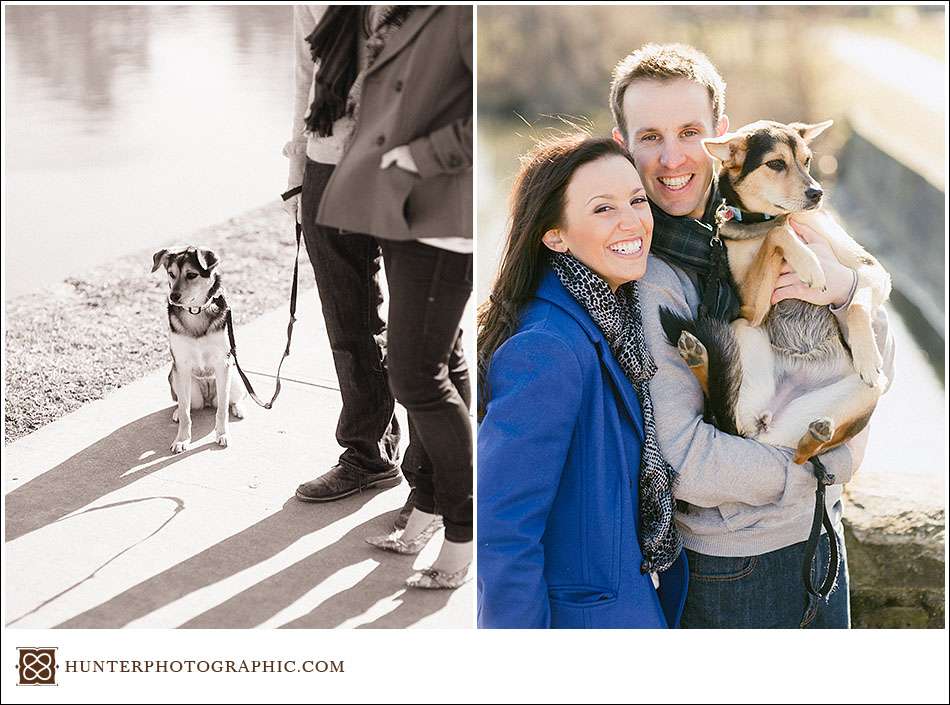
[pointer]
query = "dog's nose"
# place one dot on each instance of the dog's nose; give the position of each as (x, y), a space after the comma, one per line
(814, 194)
(175, 296)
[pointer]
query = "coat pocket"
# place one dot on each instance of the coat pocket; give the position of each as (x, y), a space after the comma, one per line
(581, 595)
(401, 184)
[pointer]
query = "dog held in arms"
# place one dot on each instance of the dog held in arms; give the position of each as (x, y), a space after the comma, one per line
(202, 372)
(783, 374)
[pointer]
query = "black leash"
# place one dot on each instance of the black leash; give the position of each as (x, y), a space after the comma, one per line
(290, 325)
(820, 519)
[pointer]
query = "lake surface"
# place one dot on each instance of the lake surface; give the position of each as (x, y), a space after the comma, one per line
(131, 127)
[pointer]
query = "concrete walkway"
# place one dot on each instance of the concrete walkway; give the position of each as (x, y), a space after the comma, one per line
(105, 528)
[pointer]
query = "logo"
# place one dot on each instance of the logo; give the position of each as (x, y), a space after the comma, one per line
(37, 666)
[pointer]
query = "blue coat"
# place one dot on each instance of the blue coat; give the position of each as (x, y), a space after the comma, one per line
(558, 464)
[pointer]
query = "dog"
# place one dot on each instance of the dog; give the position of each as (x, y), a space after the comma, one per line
(783, 374)
(202, 372)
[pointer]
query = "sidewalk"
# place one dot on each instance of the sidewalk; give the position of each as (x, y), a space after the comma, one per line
(105, 528)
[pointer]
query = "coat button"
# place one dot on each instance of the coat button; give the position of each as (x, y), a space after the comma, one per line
(455, 161)
(398, 86)
(380, 140)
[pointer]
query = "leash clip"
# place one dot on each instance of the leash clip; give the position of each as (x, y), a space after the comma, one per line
(723, 214)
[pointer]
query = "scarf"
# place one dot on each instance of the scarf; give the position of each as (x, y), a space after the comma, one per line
(617, 315)
(334, 43)
(694, 246)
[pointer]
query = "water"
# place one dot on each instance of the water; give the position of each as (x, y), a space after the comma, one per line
(131, 127)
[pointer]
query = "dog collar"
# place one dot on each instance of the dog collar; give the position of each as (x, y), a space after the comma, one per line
(726, 213)
(194, 310)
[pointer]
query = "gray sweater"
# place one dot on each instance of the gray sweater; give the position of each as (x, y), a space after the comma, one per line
(746, 498)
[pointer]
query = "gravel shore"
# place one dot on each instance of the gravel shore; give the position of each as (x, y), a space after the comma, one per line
(76, 341)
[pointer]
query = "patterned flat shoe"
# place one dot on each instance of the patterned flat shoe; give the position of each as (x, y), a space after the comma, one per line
(393, 542)
(434, 579)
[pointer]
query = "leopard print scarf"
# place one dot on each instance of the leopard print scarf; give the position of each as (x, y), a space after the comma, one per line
(618, 317)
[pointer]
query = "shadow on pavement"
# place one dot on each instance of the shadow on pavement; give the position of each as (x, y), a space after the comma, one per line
(265, 599)
(383, 583)
(126, 455)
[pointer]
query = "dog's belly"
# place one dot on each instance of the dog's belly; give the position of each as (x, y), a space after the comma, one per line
(798, 329)
(810, 353)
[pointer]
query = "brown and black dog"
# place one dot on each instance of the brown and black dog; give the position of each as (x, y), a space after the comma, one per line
(783, 374)
(202, 371)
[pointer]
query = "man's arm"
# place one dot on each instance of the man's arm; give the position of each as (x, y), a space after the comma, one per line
(306, 18)
(842, 285)
(713, 467)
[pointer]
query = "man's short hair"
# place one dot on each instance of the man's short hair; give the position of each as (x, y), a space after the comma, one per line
(666, 62)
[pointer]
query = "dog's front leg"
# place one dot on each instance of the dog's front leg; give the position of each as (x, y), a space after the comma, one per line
(222, 382)
(864, 353)
(759, 283)
(182, 374)
(800, 257)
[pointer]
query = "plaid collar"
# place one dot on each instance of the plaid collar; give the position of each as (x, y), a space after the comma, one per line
(688, 244)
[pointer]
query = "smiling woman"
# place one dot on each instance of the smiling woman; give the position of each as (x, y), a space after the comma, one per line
(589, 480)
(607, 220)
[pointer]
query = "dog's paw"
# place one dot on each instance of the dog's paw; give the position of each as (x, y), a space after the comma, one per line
(691, 350)
(822, 429)
(224, 439)
(237, 410)
(180, 446)
(868, 364)
(814, 278)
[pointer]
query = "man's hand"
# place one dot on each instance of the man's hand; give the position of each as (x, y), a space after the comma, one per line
(839, 279)
(292, 206)
(401, 157)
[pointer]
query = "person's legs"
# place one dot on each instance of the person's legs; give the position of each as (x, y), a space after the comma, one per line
(760, 592)
(346, 268)
(429, 289)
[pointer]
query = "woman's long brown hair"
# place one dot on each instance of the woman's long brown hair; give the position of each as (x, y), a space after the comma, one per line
(537, 205)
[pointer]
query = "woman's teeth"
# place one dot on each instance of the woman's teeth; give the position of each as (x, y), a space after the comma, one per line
(675, 183)
(627, 247)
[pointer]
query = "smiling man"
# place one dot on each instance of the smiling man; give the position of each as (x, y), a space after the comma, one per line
(744, 508)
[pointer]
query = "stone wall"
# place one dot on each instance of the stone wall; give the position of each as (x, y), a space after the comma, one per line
(895, 518)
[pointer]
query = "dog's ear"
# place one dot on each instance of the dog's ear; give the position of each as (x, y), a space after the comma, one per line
(810, 132)
(730, 148)
(158, 259)
(207, 260)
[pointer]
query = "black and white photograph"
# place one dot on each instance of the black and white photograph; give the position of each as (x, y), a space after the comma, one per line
(238, 263)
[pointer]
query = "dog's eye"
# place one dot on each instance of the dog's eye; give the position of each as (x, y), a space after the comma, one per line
(171, 274)
(192, 275)
(775, 165)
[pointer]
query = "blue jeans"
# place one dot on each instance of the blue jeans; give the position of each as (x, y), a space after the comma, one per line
(763, 592)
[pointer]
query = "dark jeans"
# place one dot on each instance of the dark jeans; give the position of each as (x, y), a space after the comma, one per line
(346, 267)
(428, 290)
(763, 592)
